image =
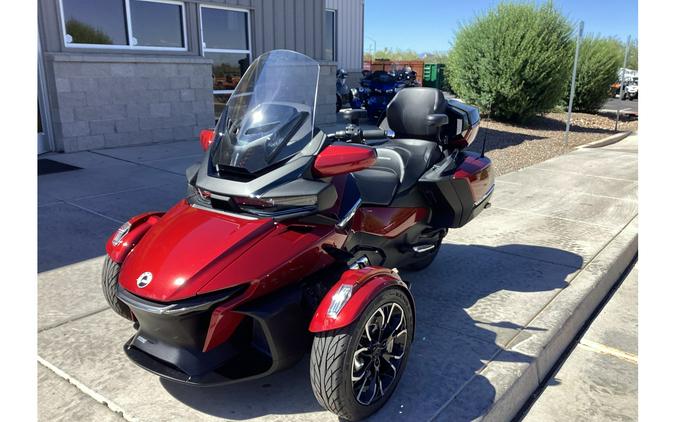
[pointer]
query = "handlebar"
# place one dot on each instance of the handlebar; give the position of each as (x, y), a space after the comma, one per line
(356, 134)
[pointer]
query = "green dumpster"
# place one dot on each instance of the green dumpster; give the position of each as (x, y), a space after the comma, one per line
(433, 75)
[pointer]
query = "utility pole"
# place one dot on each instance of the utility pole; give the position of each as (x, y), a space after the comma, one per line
(374, 48)
(574, 83)
(623, 78)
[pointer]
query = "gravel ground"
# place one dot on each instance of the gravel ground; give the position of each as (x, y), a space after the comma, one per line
(512, 147)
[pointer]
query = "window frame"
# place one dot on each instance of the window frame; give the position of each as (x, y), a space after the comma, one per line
(129, 31)
(334, 13)
(204, 49)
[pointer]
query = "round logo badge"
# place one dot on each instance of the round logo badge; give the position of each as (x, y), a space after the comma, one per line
(144, 279)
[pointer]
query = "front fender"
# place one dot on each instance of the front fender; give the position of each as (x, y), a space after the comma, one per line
(140, 224)
(366, 284)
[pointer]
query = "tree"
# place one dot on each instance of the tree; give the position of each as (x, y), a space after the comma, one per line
(599, 61)
(513, 61)
(391, 54)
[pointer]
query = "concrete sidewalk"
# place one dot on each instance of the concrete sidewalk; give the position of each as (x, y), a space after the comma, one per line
(599, 379)
(502, 301)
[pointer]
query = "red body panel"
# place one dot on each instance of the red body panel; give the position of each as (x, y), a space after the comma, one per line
(368, 282)
(479, 173)
(387, 222)
(222, 325)
(140, 224)
(342, 159)
(192, 251)
(186, 249)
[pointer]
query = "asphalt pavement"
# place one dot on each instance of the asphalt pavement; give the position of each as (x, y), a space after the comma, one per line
(503, 300)
(617, 104)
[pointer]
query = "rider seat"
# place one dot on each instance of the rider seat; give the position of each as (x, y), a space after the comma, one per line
(404, 159)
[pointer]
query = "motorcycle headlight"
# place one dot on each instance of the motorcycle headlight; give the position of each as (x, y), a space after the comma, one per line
(121, 232)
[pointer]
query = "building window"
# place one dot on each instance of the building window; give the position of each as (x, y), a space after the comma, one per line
(329, 35)
(226, 38)
(126, 24)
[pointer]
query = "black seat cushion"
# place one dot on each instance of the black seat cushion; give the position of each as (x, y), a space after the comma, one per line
(400, 163)
(377, 186)
(416, 157)
(408, 110)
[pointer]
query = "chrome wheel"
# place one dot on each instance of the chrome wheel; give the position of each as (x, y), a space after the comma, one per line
(378, 356)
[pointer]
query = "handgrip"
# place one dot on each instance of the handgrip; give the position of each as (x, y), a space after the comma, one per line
(374, 134)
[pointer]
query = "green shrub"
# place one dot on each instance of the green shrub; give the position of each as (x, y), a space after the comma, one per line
(87, 34)
(513, 61)
(599, 62)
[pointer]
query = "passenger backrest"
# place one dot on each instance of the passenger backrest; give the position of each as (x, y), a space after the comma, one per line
(407, 112)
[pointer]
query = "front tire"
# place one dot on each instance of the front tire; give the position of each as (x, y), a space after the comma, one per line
(354, 370)
(111, 272)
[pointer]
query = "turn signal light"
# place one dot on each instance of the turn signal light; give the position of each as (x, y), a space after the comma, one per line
(121, 232)
(339, 300)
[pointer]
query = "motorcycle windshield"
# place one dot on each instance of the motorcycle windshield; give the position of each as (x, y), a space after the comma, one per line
(270, 116)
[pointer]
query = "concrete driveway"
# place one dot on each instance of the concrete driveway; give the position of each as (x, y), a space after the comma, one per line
(505, 294)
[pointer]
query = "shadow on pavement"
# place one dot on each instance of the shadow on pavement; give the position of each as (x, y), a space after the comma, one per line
(469, 303)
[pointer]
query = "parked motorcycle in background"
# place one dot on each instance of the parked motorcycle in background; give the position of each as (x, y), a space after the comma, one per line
(343, 93)
(406, 76)
(376, 91)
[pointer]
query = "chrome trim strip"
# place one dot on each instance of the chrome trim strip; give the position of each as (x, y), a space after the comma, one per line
(181, 307)
(349, 215)
(488, 193)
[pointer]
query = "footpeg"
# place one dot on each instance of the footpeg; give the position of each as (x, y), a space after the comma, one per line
(423, 248)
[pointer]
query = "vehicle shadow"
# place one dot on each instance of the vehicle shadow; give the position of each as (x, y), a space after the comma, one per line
(469, 303)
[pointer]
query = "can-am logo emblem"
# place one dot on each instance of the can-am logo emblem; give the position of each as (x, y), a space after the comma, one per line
(144, 279)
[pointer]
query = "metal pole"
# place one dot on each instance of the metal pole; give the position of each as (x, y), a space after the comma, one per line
(375, 46)
(574, 83)
(623, 78)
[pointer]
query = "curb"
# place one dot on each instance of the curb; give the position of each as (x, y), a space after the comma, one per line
(612, 139)
(558, 324)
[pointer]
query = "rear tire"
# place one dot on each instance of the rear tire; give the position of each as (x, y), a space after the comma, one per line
(109, 276)
(337, 353)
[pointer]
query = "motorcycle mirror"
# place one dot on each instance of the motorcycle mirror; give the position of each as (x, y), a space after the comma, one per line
(343, 159)
(353, 115)
(206, 137)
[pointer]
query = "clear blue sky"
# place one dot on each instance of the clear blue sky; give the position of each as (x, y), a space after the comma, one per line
(430, 25)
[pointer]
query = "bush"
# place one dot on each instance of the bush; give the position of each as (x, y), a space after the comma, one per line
(514, 61)
(599, 62)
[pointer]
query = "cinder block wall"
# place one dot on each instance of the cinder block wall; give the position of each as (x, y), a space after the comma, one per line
(106, 101)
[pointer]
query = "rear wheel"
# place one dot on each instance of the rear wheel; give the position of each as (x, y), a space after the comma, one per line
(355, 369)
(111, 272)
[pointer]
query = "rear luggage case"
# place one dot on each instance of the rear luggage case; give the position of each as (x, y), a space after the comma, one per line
(460, 189)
